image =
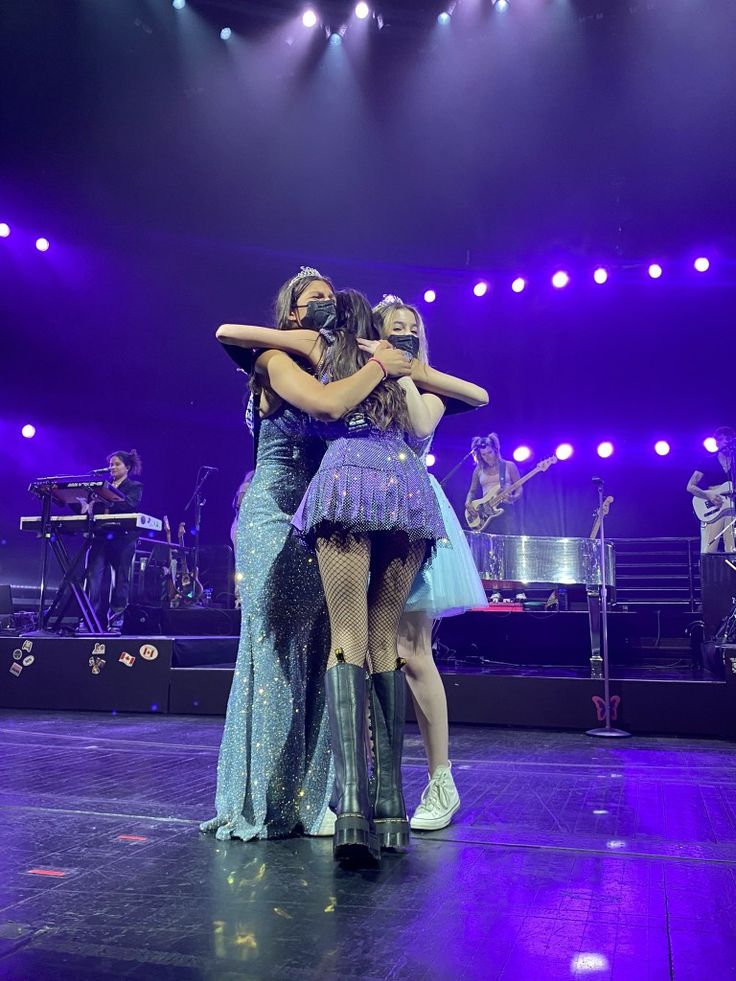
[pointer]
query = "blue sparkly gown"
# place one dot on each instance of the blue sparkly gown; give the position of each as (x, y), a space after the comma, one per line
(275, 768)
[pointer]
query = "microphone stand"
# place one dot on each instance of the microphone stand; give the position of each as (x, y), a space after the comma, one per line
(607, 730)
(202, 475)
(455, 468)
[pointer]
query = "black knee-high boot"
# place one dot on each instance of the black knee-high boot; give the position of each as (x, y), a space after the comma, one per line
(355, 837)
(388, 715)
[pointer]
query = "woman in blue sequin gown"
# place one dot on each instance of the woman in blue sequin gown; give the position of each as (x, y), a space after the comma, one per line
(274, 773)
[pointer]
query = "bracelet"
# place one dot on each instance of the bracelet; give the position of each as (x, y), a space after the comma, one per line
(380, 365)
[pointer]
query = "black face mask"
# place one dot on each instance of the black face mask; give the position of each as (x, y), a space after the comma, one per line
(406, 342)
(320, 315)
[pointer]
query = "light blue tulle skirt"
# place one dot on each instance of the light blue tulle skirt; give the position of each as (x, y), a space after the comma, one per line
(449, 584)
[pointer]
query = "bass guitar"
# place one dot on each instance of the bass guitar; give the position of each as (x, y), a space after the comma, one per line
(486, 509)
(708, 512)
(553, 600)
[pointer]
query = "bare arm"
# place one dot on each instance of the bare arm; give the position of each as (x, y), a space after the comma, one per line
(514, 475)
(299, 342)
(325, 402)
(474, 490)
(425, 411)
(447, 386)
(694, 488)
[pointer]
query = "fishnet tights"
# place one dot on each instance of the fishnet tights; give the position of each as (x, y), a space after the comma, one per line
(363, 618)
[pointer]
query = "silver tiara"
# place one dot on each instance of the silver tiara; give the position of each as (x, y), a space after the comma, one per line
(305, 272)
(391, 298)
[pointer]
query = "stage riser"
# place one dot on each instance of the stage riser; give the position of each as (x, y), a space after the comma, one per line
(61, 677)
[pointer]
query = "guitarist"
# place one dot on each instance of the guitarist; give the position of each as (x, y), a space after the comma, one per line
(715, 470)
(493, 473)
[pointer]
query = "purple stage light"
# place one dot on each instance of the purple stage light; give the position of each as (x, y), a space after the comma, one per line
(226, 33)
(444, 18)
(335, 40)
(502, 5)
(661, 447)
(28, 431)
(480, 289)
(560, 279)
(605, 449)
(42, 244)
(431, 459)
(710, 444)
(309, 18)
(600, 275)
(518, 285)
(564, 451)
(429, 296)
(362, 10)
(4, 230)
(522, 453)
(655, 270)
(702, 264)
(178, 4)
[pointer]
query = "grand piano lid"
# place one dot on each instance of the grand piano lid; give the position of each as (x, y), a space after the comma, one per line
(540, 559)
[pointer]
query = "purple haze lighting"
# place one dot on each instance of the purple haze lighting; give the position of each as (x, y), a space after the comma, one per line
(362, 10)
(605, 449)
(655, 270)
(710, 444)
(309, 18)
(42, 244)
(480, 289)
(518, 285)
(600, 275)
(429, 296)
(4, 230)
(702, 264)
(522, 453)
(28, 431)
(564, 451)
(431, 459)
(661, 447)
(560, 279)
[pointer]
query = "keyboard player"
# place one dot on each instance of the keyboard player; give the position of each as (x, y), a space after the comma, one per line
(111, 553)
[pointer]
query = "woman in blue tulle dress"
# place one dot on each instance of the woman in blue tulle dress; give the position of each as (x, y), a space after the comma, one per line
(446, 586)
(274, 773)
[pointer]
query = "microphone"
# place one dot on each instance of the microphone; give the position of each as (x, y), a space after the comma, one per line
(598, 481)
(211, 469)
(100, 470)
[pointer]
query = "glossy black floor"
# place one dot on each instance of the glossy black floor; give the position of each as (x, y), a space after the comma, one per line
(570, 858)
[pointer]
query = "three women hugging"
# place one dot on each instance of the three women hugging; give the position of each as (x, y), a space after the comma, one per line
(347, 550)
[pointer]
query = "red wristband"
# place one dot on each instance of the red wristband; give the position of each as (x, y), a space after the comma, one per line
(380, 365)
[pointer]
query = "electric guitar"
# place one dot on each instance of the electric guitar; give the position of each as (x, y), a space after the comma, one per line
(190, 588)
(553, 599)
(489, 506)
(707, 511)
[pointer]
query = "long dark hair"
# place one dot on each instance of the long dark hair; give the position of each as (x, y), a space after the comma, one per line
(386, 404)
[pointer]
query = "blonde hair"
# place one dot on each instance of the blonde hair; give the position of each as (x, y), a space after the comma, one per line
(386, 310)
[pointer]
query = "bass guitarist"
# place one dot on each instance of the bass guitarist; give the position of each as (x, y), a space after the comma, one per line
(713, 483)
(491, 475)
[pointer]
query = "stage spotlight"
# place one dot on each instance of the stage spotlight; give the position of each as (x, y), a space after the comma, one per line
(28, 431)
(362, 10)
(518, 285)
(480, 289)
(560, 279)
(309, 18)
(600, 275)
(335, 39)
(429, 296)
(444, 18)
(564, 451)
(702, 264)
(710, 444)
(655, 270)
(661, 447)
(431, 459)
(522, 453)
(605, 449)
(42, 244)
(502, 4)
(4, 230)
(178, 4)
(226, 33)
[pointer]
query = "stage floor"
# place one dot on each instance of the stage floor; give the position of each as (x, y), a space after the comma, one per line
(570, 857)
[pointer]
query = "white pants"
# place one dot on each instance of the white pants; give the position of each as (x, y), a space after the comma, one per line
(713, 531)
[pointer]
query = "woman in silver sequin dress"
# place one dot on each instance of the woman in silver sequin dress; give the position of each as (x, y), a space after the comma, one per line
(274, 773)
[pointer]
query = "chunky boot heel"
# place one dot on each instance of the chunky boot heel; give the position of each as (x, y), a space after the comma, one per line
(355, 840)
(388, 712)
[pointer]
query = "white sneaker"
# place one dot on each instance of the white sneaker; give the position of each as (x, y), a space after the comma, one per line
(439, 802)
(327, 827)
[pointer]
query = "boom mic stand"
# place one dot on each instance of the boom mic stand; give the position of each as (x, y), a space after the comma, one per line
(607, 730)
(455, 468)
(199, 502)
